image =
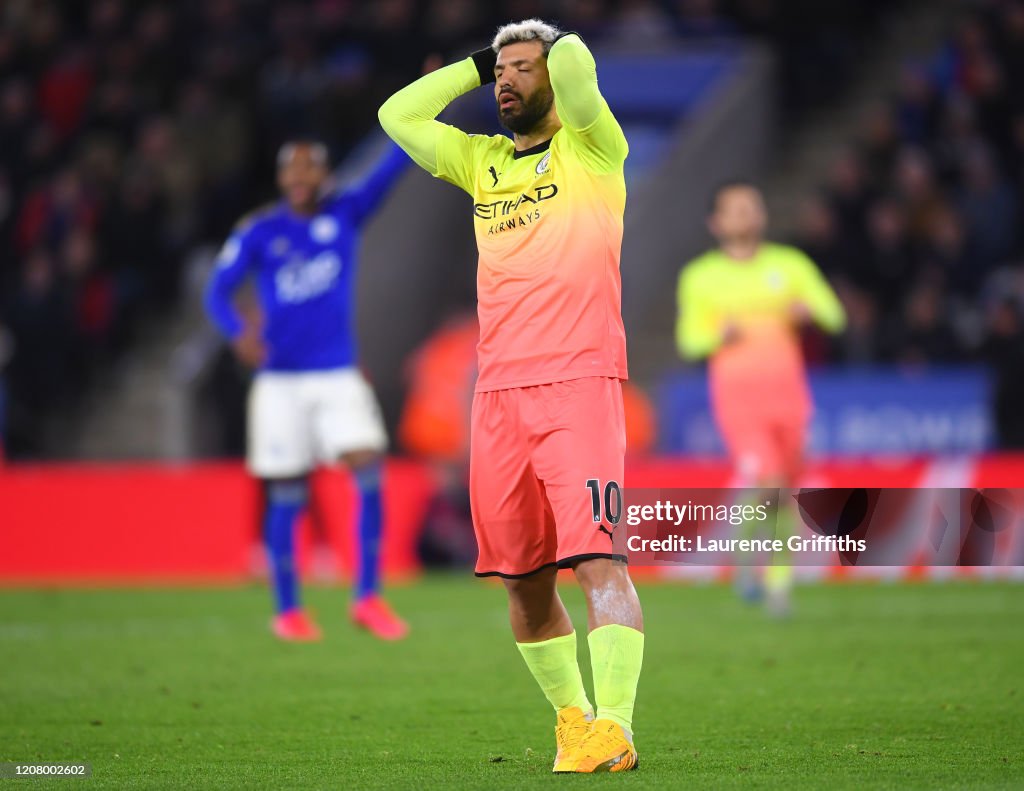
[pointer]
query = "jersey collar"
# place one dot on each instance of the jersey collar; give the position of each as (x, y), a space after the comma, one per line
(532, 150)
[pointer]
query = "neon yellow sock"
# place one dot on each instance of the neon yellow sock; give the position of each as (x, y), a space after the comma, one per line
(616, 654)
(553, 663)
(778, 579)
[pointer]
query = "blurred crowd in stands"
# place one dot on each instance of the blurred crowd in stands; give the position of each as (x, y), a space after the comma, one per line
(132, 131)
(920, 221)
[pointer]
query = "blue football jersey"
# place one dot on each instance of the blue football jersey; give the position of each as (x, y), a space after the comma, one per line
(304, 269)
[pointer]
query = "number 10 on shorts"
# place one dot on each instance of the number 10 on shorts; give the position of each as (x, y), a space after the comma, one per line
(612, 501)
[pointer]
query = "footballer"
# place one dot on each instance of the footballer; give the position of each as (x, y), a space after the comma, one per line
(742, 305)
(547, 413)
(308, 403)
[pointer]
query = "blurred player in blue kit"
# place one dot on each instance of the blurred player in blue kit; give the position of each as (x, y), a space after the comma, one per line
(309, 403)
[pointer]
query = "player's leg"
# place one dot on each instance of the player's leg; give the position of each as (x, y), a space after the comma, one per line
(579, 430)
(286, 500)
(369, 609)
(516, 541)
(748, 438)
(367, 472)
(280, 454)
(349, 428)
(547, 642)
(535, 610)
(790, 434)
(616, 656)
(762, 452)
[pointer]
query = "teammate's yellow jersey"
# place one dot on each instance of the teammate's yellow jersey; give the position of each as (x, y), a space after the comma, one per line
(757, 297)
(548, 222)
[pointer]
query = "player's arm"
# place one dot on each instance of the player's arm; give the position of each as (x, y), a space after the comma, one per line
(233, 265)
(367, 194)
(582, 110)
(698, 333)
(409, 118)
(816, 297)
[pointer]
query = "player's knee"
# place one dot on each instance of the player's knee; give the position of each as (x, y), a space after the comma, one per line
(531, 592)
(532, 607)
(523, 590)
(611, 597)
(602, 579)
(293, 491)
(597, 572)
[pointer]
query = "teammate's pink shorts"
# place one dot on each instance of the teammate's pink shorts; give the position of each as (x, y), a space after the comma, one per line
(765, 445)
(532, 451)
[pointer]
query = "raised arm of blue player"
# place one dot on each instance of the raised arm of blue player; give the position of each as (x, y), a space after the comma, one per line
(232, 267)
(368, 194)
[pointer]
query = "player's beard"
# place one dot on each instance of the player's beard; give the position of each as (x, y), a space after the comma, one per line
(530, 112)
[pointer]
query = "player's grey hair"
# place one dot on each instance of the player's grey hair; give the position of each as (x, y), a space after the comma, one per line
(527, 30)
(317, 150)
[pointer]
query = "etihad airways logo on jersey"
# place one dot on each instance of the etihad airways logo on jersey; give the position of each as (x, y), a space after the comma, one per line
(300, 280)
(503, 208)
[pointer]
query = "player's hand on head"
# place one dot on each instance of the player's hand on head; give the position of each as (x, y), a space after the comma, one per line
(485, 60)
(250, 348)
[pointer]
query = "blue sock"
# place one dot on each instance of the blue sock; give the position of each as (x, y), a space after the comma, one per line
(285, 501)
(368, 573)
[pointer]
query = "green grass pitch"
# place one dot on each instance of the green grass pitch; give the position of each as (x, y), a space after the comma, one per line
(867, 686)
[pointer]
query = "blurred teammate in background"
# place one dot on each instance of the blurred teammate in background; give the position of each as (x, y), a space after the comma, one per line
(309, 403)
(743, 306)
(547, 414)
